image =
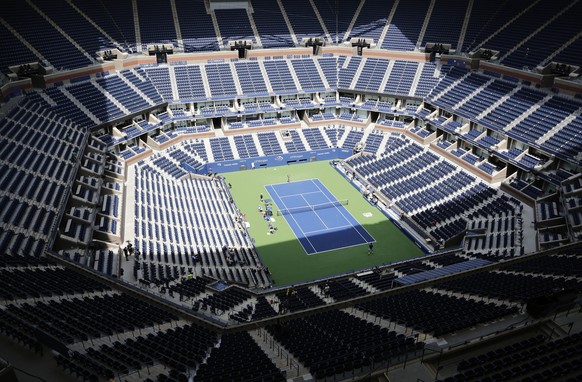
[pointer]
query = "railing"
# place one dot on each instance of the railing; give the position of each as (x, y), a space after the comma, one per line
(274, 346)
(369, 367)
(122, 377)
(377, 319)
(430, 351)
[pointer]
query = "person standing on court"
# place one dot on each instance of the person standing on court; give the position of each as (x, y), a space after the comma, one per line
(288, 178)
(370, 249)
(260, 197)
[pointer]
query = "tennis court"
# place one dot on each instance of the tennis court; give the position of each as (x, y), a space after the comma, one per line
(320, 221)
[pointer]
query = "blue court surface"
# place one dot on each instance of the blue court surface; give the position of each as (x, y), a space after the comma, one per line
(318, 219)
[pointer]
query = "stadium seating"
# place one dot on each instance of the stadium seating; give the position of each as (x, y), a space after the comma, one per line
(371, 76)
(280, 76)
(269, 143)
(411, 310)
(449, 32)
(562, 25)
(352, 138)
(234, 25)
(133, 313)
(319, 350)
(245, 146)
(488, 20)
(403, 32)
(507, 41)
(342, 289)
(303, 20)
(196, 27)
(398, 178)
(172, 241)
(229, 353)
(114, 22)
(307, 75)
(20, 52)
(426, 81)
(95, 156)
(347, 72)
(220, 80)
(250, 78)
(514, 287)
(52, 45)
(160, 31)
(295, 144)
(531, 355)
(160, 78)
(371, 20)
(328, 12)
(271, 26)
(329, 67)
(116, 27)
(190, 86)
(401, 77)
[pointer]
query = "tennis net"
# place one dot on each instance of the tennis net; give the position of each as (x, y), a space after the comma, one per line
(314, 207)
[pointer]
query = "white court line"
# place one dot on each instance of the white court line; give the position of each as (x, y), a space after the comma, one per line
(348, 220)
(295, 181)
(334, 206)
(313, 210)
(301, 194)
(332, 229)
(312, 180)
(298, 225)
(335, 249)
